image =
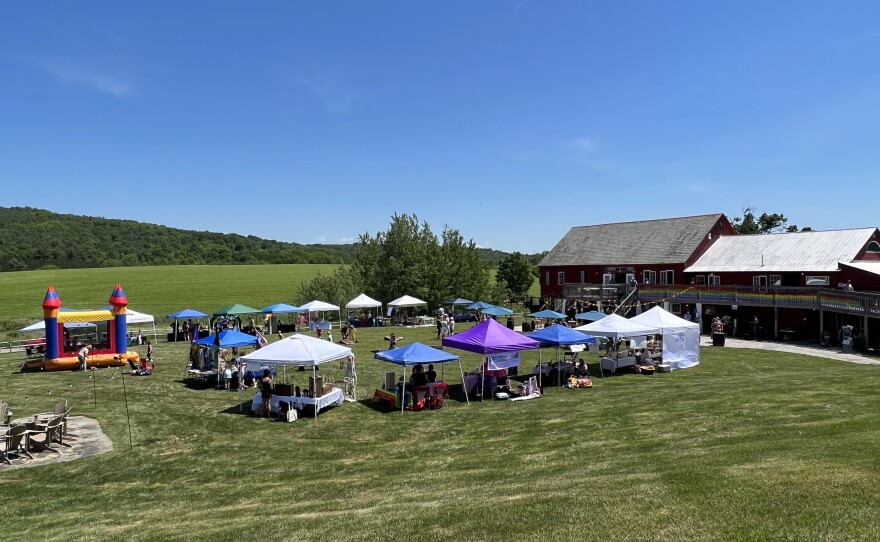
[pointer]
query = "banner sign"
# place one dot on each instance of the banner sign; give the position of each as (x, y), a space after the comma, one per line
(502, 361)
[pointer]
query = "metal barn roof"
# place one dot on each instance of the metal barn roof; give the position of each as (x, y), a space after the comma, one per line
(800, 251)
(669, 240)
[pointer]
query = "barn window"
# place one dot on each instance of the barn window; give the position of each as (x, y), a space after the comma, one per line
(649, 277)
(874, 247)
(714, 280)
(560, 278)
(547, 278)
(582, 277)
(700, 279)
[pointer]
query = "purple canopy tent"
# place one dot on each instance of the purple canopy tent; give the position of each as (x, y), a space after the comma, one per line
(490, 337)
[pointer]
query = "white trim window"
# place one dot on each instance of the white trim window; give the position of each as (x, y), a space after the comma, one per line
(649, 277)
(814, 280)
(560, 278)
(700, 279)
(607, 278)
(759, 280)
(714, 280)
(667, 277)
(583, 277)
(775, 280)
(547, 278)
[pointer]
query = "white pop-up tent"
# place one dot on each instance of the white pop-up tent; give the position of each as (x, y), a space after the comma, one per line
(405, 301)
(297, 350)
(363, 301)
(681, 339)
(615, 327)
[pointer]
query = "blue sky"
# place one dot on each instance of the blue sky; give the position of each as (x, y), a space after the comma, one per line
(509, 120)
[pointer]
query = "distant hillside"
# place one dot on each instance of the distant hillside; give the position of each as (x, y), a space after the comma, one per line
(38, 239)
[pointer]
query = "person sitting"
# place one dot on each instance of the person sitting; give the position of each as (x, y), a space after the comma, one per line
(431, 375)
(392, 341)
(582, 369)
(344, 331)
(418, 377)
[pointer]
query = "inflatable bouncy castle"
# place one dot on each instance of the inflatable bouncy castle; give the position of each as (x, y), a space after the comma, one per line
(62, 355)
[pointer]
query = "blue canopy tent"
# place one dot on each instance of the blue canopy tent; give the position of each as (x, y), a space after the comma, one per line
(497, 311)
(592, 316)
(229, 338)
(185, 314)
(479, 305)
(418, 353)
(553, 315)
(557, 336)
(279, 308)
(458, 301)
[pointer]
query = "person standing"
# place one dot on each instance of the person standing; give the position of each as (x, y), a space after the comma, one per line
(266, 387)
(848, 287)
(149, 352)
(83, 355)
(755, 327)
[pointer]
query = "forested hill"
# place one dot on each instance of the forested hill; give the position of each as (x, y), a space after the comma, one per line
(38, 239)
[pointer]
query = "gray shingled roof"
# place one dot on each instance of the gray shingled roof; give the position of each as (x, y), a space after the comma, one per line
(801, 251)
(670, 240)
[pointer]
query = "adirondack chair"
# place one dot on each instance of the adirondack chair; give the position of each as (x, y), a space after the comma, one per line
(5, 414)
(14, 442)
(45, 435)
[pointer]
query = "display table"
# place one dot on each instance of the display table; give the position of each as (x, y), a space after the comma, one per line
(333, 397)
(613, 364)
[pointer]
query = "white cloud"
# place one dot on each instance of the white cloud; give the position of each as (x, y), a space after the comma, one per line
(321, 239)
(68, 72)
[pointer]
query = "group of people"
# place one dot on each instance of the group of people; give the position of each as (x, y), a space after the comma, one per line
(421, 377)
(445, 324)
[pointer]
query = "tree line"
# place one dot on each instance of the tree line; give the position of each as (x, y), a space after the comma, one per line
(38, 239)
(410, 259)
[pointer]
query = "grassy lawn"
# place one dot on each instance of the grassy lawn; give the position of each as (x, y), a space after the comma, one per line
(154, 290)
(749, 445)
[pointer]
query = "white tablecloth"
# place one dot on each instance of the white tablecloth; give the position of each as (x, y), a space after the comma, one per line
(334, 396)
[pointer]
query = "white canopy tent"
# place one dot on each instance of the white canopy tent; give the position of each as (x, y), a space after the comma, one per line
(615, 327)
(405, 301)
(681, 339)
(363, 301)
(297, 350)
(318, 307)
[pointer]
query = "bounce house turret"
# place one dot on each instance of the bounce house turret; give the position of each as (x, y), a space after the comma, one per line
(51, 304)
(118, 304)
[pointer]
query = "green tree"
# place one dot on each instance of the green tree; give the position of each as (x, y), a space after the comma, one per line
(748, 223)
(516, 274)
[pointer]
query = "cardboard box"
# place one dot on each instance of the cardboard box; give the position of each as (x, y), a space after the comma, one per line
(316, 386)
(283, 389)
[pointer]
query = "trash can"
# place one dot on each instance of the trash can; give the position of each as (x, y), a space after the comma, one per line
(718, 339)
(510, 323)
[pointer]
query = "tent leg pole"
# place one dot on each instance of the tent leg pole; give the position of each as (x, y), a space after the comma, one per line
(464, 387)
(315, 399)
(403, 391)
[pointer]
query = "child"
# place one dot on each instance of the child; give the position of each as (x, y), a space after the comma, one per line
(149, 352)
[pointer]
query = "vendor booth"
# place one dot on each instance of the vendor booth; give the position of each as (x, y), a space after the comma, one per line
(557, 336)
(305, 351)
(500, 345)
(185, 314)
(409, 301)
(681, 338)
(271, 313)
(361, 303)
(418, 354)
(616, 327)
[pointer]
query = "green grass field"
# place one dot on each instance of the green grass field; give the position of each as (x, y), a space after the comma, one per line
(749, 445)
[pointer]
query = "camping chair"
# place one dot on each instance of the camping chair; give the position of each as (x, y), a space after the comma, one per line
(438, 393)
(49, 433)
(14, 442)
